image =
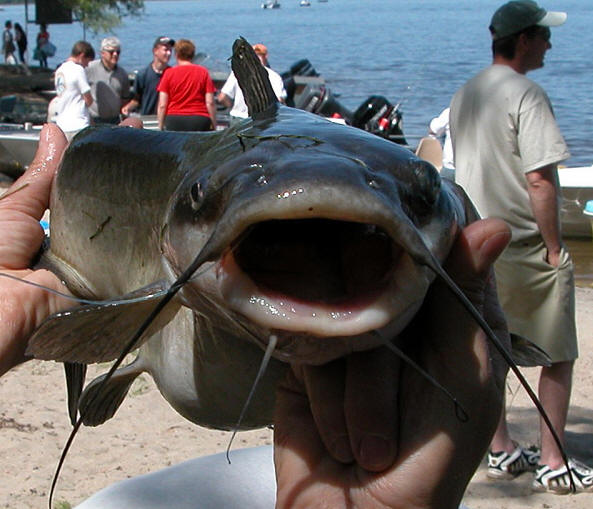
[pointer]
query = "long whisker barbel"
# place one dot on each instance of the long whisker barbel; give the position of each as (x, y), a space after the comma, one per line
(170, 293)
(80, 300)
(100, 302)
(273, 340)
(466, 303)
(459, 410)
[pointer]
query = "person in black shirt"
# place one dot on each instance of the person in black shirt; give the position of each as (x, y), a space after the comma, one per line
(145, 96)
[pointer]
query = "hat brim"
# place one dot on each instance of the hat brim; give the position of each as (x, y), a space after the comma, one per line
(552, 19)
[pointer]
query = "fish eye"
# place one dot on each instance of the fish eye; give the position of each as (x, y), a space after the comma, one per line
(196, 193)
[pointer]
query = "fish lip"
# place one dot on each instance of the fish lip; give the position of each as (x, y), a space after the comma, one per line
(314, 332)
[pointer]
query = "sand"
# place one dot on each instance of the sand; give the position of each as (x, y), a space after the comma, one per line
(146, 435)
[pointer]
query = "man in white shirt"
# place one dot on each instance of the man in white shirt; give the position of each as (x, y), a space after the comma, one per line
(439, 127)
(73, 90)
(231, 94)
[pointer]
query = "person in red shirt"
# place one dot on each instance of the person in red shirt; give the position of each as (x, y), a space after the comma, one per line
(42, 40)
(186, 94)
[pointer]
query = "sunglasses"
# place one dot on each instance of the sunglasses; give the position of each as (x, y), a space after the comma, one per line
(545, 33)
(112, 51)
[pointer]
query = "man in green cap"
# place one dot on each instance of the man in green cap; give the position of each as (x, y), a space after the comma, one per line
(506, 147)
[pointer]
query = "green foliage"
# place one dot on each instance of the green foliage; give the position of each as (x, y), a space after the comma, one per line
(62, 504)
(104, 15)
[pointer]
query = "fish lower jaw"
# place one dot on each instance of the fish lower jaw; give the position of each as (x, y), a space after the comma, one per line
(318, 320)
(274, 311)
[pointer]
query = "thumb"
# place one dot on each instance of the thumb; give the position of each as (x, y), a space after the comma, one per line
(475, 250)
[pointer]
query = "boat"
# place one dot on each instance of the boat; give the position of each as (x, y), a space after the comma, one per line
(18, 140)
(270, 4)
(576, 184)
(305, 3)
(589, 213)
(18, 144)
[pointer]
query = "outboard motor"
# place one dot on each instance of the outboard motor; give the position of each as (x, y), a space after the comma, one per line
(378, 116)
(319, 99)
(300, 68)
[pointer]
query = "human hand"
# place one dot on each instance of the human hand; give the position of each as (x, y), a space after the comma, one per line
(553, 257)
(399, 441)
(24, 307)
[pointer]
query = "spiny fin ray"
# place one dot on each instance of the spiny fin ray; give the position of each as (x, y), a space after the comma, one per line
(252, 78)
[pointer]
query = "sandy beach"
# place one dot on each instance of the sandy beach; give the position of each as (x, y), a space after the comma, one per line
(147, 435)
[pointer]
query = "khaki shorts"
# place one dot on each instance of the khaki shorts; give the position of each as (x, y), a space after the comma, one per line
(538, 299)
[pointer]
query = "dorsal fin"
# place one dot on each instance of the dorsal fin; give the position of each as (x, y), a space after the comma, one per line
(252, 78)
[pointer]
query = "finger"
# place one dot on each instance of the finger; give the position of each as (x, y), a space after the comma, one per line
(30, 193)
(371, 407)
(494, 316)
(26, 201)
(471, 268)
(475, 250)
(325, 390)
(455, 353)
(459, 340)
(298, 448)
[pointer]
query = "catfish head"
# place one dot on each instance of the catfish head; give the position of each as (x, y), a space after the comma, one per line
(317, 233)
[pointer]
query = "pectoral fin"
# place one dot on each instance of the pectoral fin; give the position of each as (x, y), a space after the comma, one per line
(99, 332)
(99, 401)
(527, 354)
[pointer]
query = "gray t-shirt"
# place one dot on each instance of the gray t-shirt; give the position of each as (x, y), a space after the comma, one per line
(502, 127)
(110, 89)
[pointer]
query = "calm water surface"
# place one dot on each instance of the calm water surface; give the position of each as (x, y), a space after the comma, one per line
(418, 52)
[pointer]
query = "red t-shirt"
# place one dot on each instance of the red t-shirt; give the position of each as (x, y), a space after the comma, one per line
(187, 86)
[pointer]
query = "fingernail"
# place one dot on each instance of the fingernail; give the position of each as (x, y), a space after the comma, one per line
(490, 250)
(375, 452)
(341, 450)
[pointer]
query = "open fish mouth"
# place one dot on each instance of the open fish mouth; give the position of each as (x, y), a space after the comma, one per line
(320, 277)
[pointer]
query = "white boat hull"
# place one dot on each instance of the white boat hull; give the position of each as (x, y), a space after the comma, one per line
(577, 188)
(17, 148)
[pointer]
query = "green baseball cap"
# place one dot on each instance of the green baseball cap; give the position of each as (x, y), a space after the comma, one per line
(517, 15)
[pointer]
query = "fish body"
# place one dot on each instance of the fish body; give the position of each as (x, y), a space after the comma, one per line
(317, 233)
(205, 248)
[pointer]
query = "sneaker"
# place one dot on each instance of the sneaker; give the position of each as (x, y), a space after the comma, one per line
(558, 481)
(504, 465)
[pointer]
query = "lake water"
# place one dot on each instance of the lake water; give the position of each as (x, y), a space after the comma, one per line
(414, 51)
(417, 52)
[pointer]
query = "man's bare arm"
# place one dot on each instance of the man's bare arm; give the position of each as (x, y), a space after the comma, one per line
(543, 195)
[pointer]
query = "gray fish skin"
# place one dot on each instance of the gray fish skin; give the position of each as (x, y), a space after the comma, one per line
(132, 209)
